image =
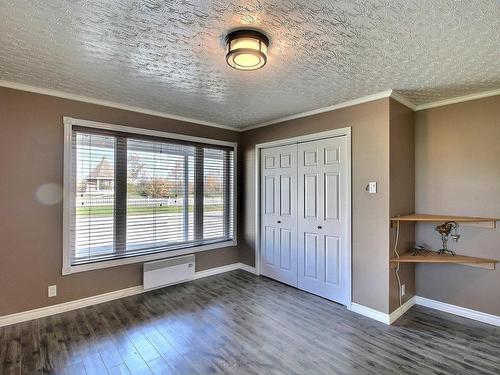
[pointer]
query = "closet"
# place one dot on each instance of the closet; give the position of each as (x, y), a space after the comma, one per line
(304, 218)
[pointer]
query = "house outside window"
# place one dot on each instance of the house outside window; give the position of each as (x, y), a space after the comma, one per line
(147, 195)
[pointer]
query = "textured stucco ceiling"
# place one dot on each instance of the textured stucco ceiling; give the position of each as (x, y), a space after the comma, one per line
(168, 56)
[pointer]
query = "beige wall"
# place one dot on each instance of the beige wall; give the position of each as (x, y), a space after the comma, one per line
(402, 194)
(458, 173)
(370, 162)
(31, 154)
(449, 163)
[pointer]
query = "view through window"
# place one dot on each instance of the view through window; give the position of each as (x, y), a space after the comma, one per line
(138, 195)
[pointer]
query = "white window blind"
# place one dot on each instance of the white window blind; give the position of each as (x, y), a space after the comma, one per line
(136, 195)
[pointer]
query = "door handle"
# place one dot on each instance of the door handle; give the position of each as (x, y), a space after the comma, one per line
(320, 227)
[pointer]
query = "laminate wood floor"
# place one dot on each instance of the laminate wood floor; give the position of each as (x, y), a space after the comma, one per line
(238, 323)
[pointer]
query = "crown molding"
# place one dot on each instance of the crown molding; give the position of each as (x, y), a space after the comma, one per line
(105, 103)
(349, 103)
(458, 99)
(403, 100)
(383, 94)
(380, 95)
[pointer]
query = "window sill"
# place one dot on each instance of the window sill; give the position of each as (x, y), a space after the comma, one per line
(145, 258)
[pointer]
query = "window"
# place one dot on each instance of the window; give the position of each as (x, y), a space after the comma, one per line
(134, 194)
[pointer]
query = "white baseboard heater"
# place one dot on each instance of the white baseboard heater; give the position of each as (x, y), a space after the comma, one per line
(168, 271)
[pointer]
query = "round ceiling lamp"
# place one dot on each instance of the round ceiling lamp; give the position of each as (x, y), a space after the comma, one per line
(246, 49)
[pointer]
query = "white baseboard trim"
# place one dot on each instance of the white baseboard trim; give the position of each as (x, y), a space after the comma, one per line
(457, 310)
(380, 316)
(246, 267)
(68, 306)
(215, 271)
(433, 304)
(222, 269)
(357, 308)
(396, 314)
(100, 298)
(370, 313)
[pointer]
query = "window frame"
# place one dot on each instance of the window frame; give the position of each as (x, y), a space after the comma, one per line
(69, 200)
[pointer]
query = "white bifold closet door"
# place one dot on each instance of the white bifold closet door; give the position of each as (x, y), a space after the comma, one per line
(304, 224)
(279, 214)
(322, 236)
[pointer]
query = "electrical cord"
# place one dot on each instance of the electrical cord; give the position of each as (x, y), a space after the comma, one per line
(397, 267)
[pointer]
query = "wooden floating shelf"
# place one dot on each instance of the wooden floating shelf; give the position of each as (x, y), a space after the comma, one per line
(445, 258)
(487, 222)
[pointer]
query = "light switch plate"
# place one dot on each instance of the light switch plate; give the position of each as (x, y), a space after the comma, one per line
(372, 187)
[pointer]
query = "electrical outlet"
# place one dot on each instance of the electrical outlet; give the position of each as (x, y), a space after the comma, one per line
(52, 290)
(403, 290)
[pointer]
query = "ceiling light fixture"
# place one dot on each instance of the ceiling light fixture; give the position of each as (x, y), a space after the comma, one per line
(246, 49)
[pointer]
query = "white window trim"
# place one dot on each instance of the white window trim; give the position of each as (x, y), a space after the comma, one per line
(69, 199)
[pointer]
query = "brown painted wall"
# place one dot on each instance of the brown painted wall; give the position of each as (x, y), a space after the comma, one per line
(458, 173)
(31, 154)
(402, 194)
(370, 162)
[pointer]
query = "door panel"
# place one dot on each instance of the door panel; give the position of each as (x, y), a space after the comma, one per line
(286, 248)
(279, 213)
(286, 161)
(332, 155)
(310, 157)
(269, 194)
(322, 191)
(269, 245)
(310, 195)
(269, 162)
(286, 195)
(311, 255)
(332, 260)
(331, 196)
